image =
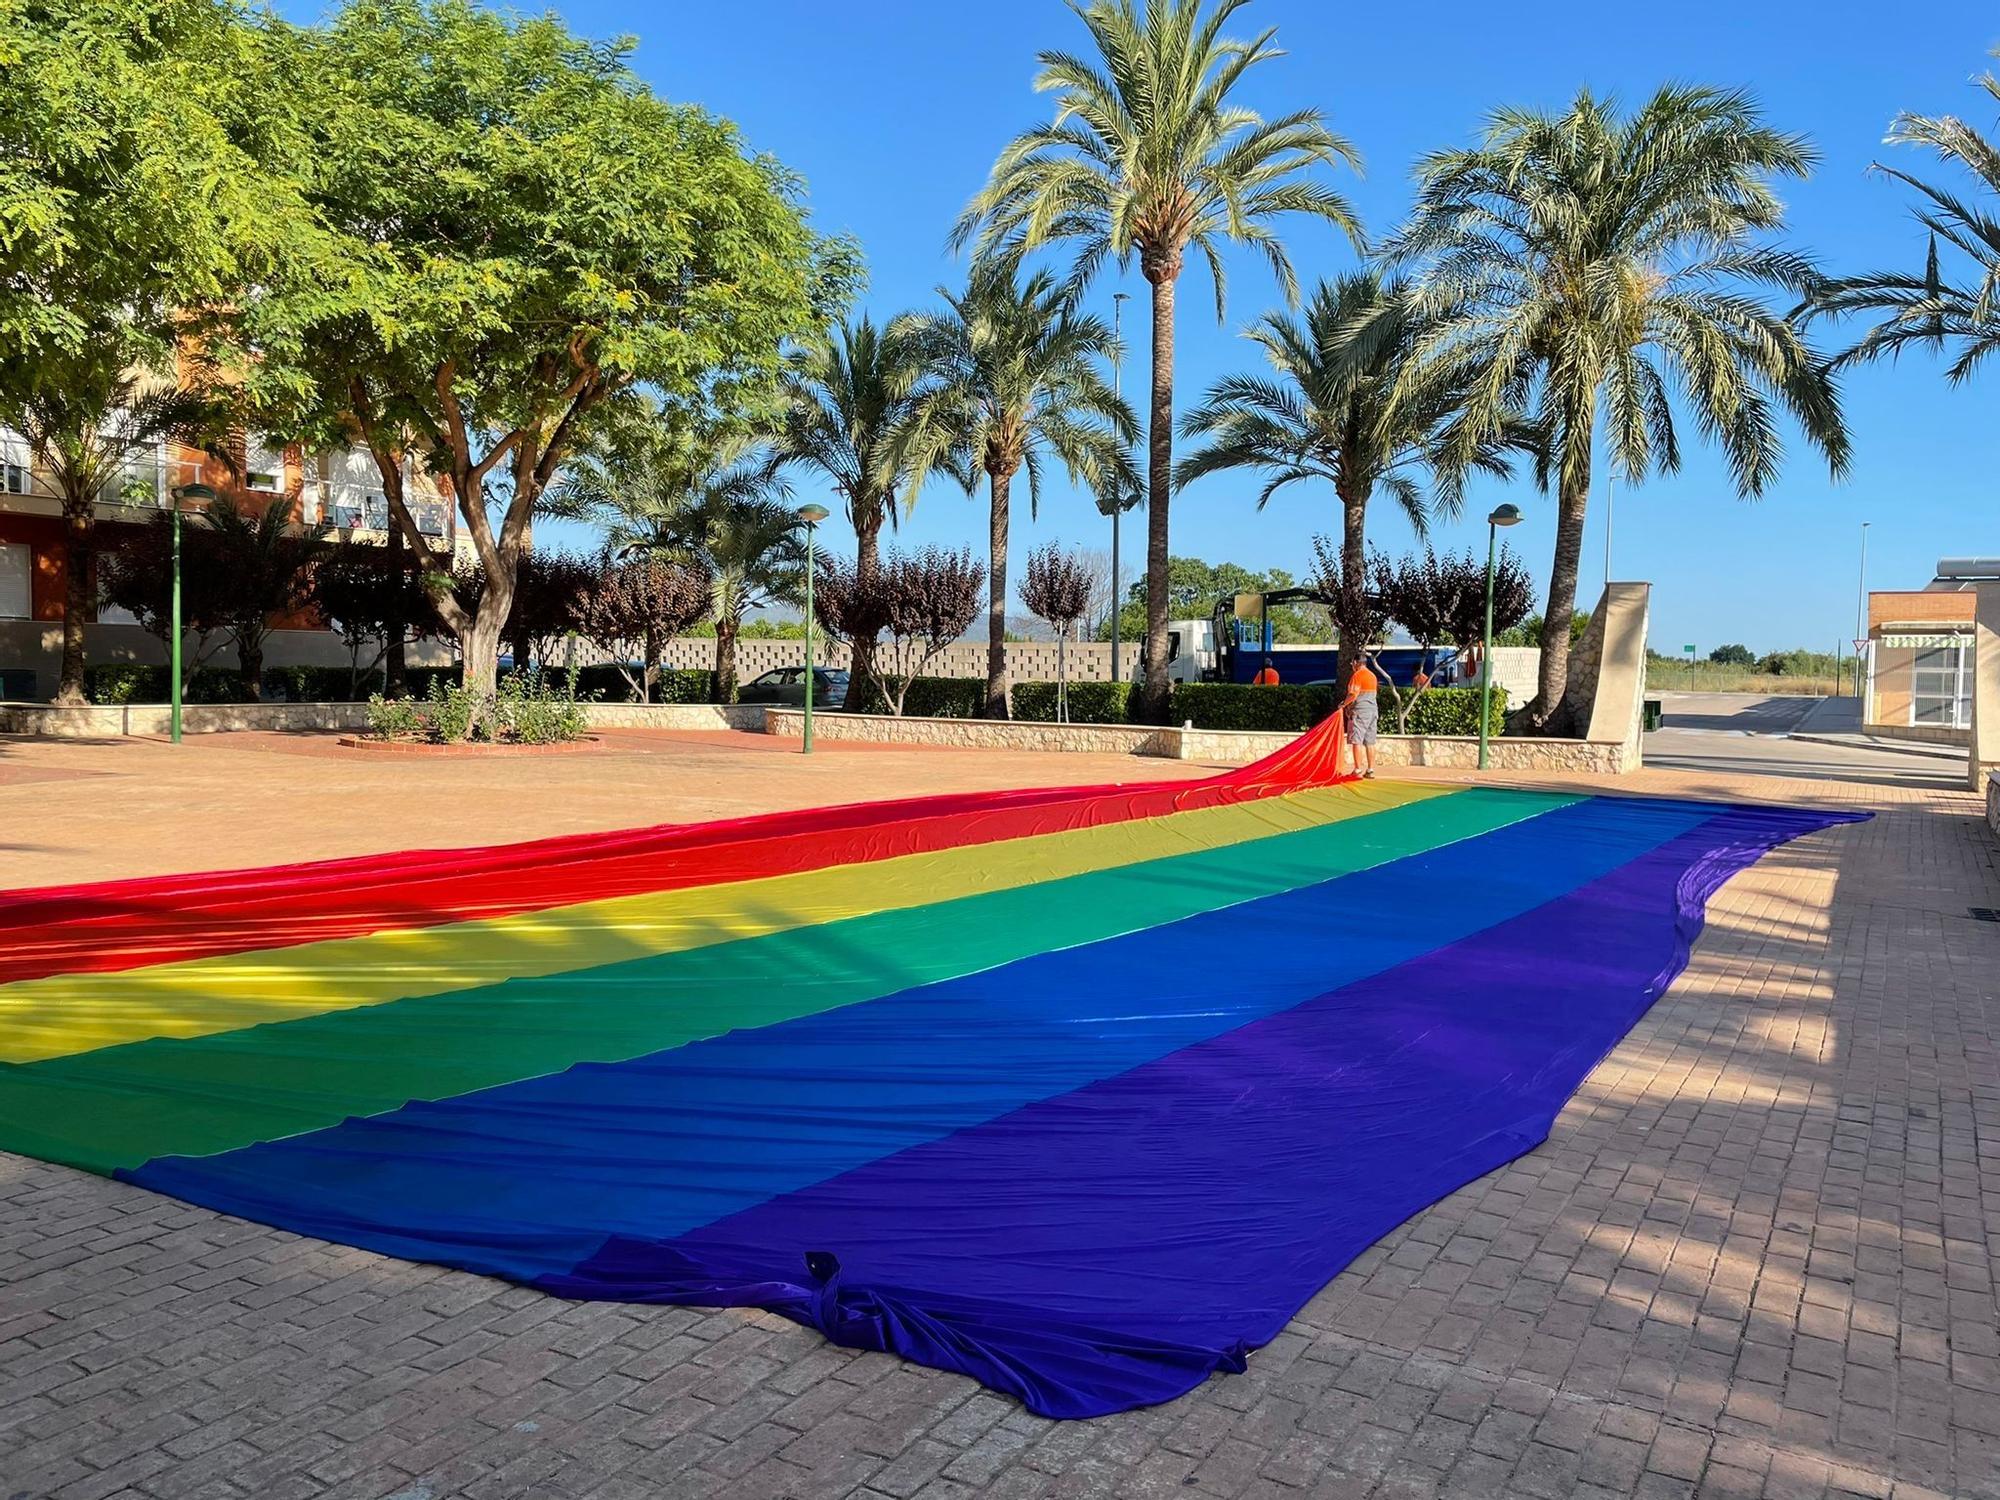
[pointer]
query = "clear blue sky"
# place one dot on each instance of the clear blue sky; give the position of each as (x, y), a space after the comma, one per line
(893, 111)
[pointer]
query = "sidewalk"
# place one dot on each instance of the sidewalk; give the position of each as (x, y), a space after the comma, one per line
(1837, 721)
(1756, 1258)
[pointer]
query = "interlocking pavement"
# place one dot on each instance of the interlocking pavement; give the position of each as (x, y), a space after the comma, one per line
(1755, 1258)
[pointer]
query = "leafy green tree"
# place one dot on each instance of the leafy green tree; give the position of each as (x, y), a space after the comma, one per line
(1194, 586)
(1732, 656)
(368, 592)
(1923, 309)
(1529, 632)
(1010, 376)
(850, 397)
(1326, 414)
(264, 563)
(520, 235)
(1151, 155)
(1582, 262)
(144, 186)
(705, 493)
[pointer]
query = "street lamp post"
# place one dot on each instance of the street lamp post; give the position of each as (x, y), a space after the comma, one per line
(199, 493)
(1504, 515)
(1861, 608)
(811, 515)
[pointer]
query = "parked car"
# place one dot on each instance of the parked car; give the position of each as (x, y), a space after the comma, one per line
(788, 685)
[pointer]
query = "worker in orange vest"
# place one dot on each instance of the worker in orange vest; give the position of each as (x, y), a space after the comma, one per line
(1362, 710)
(1267, 676)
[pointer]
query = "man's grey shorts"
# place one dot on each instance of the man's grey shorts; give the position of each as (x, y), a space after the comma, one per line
(1361, 716)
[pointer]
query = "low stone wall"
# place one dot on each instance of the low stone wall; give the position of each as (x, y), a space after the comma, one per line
(1209, 746)
(677, 716)
(111, 721)
(1993, 800)
(108, 721)
(1919, 734)
(980, 734)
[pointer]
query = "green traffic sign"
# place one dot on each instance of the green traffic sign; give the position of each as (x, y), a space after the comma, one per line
(1688, 649)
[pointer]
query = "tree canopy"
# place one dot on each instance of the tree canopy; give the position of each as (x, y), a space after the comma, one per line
(520, 234)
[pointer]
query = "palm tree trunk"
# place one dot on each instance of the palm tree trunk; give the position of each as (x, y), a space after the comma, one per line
(79, 538)
(1353, 606)
(1573, 498)
(996, 607)
(868, 515)
(1159, 480)
(727, 623)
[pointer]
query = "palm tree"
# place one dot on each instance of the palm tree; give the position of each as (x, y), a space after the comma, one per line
(1326, 413)
(705, 493)
(1585, 259)
(1148, 156)
(93, 431)
(1010, 375)
(849, 396)
(1925, 309)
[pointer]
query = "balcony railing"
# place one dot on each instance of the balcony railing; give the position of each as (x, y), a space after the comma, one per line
(350, 507)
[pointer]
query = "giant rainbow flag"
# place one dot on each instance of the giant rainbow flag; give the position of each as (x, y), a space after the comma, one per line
(1082, 1092)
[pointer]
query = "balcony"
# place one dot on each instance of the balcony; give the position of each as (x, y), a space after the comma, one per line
(352, 507)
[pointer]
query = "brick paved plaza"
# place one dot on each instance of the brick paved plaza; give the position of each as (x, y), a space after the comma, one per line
(1756, 1256)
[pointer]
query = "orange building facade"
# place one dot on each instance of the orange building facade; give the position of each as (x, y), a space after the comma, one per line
(340, 490)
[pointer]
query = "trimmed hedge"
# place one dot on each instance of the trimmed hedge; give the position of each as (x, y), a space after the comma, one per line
(1452, 710)
(604, 683)
(1089, 702)
(928, 698)
(125, 682)
(1236, 705)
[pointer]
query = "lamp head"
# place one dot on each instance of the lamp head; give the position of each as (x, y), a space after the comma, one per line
(200, 493)
(1505, 515)
(812, 515)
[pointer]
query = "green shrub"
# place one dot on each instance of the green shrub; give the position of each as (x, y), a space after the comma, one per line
(449, 710)
(1235, 705)
(320, 684)
(530, 710)
(604, 683)
(391, 718)
(1089, 702)
(126, 682)
(1453, 710)
(418, 680)
(928, 698)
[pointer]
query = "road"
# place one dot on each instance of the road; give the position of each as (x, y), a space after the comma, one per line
(1750, 734)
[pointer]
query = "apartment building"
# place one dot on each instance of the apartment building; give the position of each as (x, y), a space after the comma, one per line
(339, 489)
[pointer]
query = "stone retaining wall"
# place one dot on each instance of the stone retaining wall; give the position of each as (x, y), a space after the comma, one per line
(107, 721)
(1209, 746)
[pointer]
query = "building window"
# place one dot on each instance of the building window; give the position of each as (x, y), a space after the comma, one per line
(1940, 686)
(17, 572)
(15, 470)
(263, 464)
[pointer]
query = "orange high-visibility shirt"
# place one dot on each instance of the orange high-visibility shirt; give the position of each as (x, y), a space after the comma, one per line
(1266, 678)
(1363, 681)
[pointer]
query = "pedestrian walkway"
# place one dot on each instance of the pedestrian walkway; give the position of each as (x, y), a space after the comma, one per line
(1756, 1257)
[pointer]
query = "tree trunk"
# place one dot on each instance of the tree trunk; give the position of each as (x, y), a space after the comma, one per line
(1159, 487)
(250, 657)
(649, 674)
(726, 626)
(480, 648)
(868, 517)
(996, 597)
(1353, 605)
(1572, 501)
(79, 543)
(395, 668)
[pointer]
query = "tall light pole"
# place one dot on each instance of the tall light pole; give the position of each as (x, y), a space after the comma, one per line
(1861, 608)
(811, 515)
(201, 494)
(1503, 515)
(1117, 495)
(1610, 495)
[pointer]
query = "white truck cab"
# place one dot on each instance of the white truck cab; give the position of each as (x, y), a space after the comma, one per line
(1190, 650)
